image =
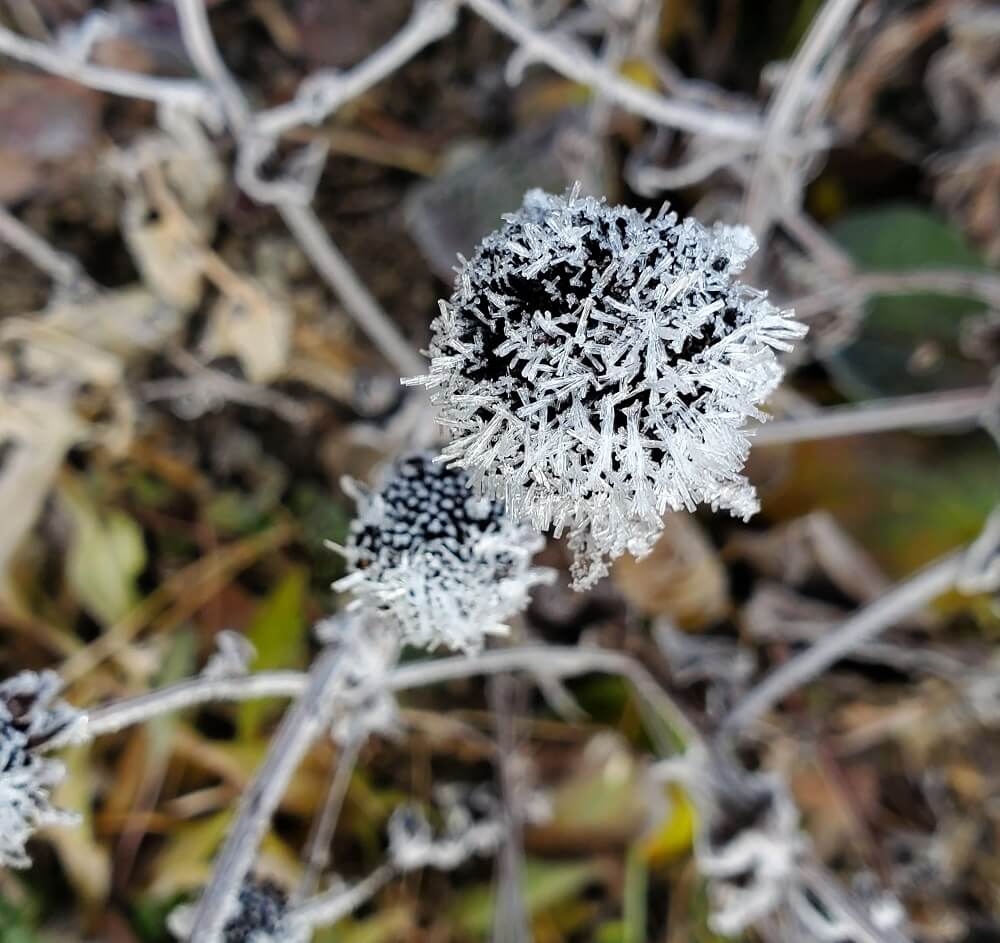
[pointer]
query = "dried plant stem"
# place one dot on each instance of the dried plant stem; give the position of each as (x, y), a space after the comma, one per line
(300, 218)
(323, 93)
(902, 600)
(921, 411)
(318, 849)
(577, 64)
(201, 47)
(183, 93)
(302, 724)
(984, 286)
(785, 109)
(193, 692)
(545, 660)
(355, 297)
(558, 661)
(827, 889)
(63, 269)
(333, 905)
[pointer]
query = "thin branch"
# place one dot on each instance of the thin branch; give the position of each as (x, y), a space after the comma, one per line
(355, 297)
(556, 661)
(784, 111)
(63, 269)
(302, 724)
(546, 660)
(333, 905)
(921, 411)
(183, 93)
(579, 65)
(908, 597)
(323, 93)
(984, 286)
(206, 58)
(193, 692)
(300, 218)
(318, 846)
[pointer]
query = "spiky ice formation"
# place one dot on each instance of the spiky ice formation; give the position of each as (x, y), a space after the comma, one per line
(30, 716)
(595, 367)
(446, 566)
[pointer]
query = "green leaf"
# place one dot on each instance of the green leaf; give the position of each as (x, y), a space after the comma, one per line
(908, 343)
(278, 633)
(544, 884)
(106, 555)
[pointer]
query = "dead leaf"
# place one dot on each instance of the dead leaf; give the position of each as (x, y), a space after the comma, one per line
(86, 861)
(682, 578)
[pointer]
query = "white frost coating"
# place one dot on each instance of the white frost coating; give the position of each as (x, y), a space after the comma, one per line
(748, 846)
(262, 917)
(445, 566)
(595, 367)
(30, 715)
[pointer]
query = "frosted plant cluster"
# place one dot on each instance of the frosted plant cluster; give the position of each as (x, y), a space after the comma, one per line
(30, 716)
(261, 917)
(444, 565)
(595, 366)
(368, 651)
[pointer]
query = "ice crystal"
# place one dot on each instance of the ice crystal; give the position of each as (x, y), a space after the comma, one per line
(749, 844)
(30, 717)
(261, 917)
(368, 652)
(443, 564)
(595, 366)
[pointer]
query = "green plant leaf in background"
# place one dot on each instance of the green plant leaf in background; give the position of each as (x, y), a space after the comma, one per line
(278, 633)
(545, 886)
(908, 343)
(105, 557)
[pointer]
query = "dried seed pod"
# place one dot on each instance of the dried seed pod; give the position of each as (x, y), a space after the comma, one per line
(30, 716)
(595, 367)
(445, 565)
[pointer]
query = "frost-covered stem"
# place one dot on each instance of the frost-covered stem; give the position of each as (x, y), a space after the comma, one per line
(322, 94)
(982, 285)
(827, 889)
(193, 96)
(545, 660)
(63, 269)
(318, 849)
(921, 411)
(206, 58)
(300, 219)
(116, 716)
(355, 297)
(555, 661)
(333, 905)
(302, 724)
(908, 597)
(577, 64)
(795, 91)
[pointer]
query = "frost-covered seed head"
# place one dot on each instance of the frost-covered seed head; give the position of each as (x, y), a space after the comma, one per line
(261, 917)
(446, 566)
(30, 716)
(595, 367)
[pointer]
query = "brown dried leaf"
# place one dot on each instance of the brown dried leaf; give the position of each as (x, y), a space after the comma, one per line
(682, 578)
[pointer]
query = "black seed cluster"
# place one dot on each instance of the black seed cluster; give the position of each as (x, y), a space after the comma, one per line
(263, 907)
(427, 506)
(566, 282)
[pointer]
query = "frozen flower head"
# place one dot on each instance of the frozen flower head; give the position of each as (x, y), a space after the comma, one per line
(749, 846)
(261, 917)
(444, 565)
(595, 367)
(30, 717)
